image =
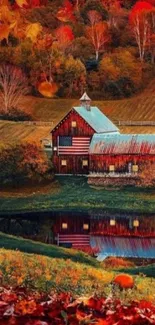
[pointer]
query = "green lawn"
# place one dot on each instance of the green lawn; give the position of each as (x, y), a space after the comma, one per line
(148, 270)
(30, 246)
(75, 193)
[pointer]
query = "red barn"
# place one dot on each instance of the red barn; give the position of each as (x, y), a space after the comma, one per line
(72, 136)
(120, 153)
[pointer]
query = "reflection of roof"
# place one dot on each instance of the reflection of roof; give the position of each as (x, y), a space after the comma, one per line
(85, 97)
(123, 144)
(96, 119)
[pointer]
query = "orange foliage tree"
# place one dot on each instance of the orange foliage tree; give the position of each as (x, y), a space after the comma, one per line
(24, 162)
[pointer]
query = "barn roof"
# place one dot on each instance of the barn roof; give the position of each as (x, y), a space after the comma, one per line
(96, 119)
(122, 144)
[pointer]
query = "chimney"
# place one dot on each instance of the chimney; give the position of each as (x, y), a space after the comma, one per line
(85, 101)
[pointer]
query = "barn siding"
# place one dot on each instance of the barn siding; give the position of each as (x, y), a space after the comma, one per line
(74, 163)
(101, 163)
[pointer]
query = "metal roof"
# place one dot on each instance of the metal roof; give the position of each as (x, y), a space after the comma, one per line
(123, 144)
(96, 119)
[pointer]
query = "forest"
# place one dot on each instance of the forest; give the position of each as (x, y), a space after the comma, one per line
(59, 48)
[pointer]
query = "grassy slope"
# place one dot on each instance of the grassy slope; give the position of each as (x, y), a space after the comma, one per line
(148, 270)
(29, 246)
(140, 107)
(75, 193)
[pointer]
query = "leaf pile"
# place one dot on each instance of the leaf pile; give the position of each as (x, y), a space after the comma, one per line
(19, 307)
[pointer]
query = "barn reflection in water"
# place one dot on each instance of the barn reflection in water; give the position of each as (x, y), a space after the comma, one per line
(118, 235)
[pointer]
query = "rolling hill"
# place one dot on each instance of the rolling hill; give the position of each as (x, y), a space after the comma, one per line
(137, 108)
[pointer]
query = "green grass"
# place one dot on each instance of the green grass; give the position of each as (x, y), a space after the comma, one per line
(148, 270)
(75, 193)
(30, 246)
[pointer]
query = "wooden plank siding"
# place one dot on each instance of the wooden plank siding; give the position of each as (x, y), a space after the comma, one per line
(101, 163)
(64, 128)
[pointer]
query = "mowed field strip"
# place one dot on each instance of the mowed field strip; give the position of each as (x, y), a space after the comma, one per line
(137, 108)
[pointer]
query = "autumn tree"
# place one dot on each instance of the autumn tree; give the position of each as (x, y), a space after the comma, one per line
(74, 76)
(25, 161)
(13, 86)
(151, 35)
(147, 174)
(64, 36)
(139, 20)
(97, 32)
(121, 71)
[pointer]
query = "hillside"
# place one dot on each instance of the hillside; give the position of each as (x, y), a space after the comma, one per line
(137, 108)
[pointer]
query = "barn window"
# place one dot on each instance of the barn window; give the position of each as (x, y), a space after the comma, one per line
(63, 162)
(84, 163)
(74, 125)
(111, 168)
(135, 168)
(64, 225)
(85, 226)
(112, 222)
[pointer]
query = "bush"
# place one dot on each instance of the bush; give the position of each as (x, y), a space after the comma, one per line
(24, 162)
(116, 263)
(15, 114)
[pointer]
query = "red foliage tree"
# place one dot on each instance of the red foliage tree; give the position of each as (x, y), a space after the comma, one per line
(64, 36)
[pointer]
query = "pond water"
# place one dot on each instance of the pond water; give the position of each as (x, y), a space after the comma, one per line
(111, 235)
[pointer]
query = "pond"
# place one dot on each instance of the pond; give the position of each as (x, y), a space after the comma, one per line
(125, 235)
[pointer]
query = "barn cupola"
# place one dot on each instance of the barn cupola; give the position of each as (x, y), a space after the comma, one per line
(85, 101)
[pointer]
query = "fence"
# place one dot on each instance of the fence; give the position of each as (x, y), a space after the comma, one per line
(135, 123)
(37, 123)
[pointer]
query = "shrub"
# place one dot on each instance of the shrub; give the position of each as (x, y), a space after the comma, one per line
(116, 263)
(24, 162)
(15, 114)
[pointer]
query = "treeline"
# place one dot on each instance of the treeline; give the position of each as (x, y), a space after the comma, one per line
(64, 46)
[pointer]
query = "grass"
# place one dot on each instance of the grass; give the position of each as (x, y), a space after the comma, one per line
(43, 274)
(140, 107)
(148, 270)
(30, 246)
(75, 193)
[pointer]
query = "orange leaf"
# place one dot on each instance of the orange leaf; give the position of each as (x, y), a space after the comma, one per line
(33, 30)
(4, 32)
(21, 3)
(25, 307)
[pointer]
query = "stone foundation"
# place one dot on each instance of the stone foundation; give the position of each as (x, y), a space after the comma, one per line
(114, 181)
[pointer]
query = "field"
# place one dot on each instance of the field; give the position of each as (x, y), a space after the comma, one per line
(42, 273)
(29, 246)
(138, 108)
(82, 197)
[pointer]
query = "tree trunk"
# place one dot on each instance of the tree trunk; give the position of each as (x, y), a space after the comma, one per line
(97, 55)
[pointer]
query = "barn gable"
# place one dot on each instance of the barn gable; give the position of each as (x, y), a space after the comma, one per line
(96, 119)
